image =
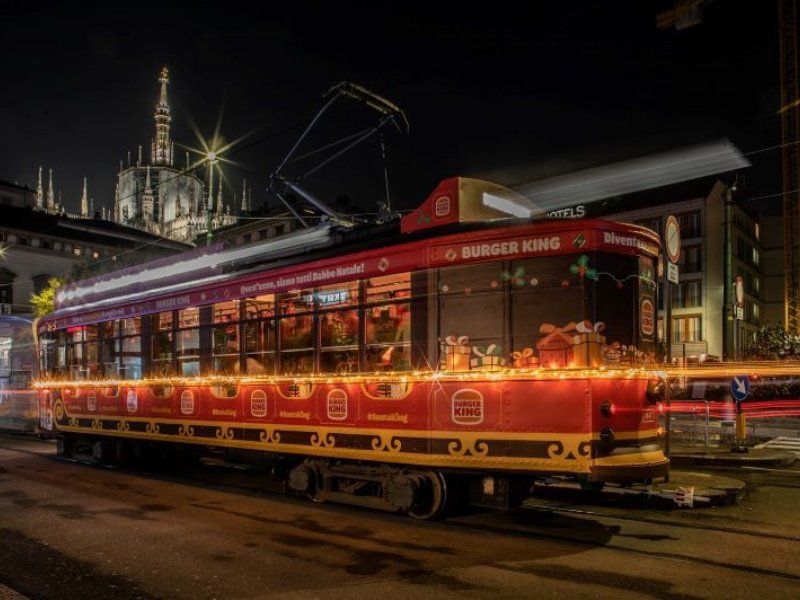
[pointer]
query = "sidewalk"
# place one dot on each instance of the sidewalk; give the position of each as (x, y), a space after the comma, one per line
(713, 488)
(683, 454)
(689, 484)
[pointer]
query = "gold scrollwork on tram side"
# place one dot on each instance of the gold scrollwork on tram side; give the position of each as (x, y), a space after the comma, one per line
(73, 422)
(123, 426)
(224, 433)
(186, 431)
(386, 443)
(585, 449)
(573, 449)
(270, 436)
(58, 409)
(322, 440)
(470, 448)
(151, 427)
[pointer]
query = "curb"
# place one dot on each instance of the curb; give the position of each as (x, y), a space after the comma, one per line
(732, 459)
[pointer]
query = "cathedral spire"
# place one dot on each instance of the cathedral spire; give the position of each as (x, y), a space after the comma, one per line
(84, 201)
(148, 202)
(51, 198)
(161, 153)
(39, 192)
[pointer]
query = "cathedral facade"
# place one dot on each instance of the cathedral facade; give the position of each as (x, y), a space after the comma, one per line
(162, 199)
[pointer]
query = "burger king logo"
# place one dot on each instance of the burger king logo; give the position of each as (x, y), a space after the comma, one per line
(467, 406)
(187, 402)
(258, 403)
(337, 405)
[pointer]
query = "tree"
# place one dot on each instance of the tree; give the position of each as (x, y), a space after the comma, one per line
(773, 342)
(43, 303)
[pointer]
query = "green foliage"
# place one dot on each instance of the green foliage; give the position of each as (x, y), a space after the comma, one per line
(773, 342)
(43, 303)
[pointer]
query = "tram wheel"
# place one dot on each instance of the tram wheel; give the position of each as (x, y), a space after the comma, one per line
(430, 497)
(64, 446)
(591, 487)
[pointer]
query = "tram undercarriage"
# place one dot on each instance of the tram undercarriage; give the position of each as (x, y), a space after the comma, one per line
(421, 493)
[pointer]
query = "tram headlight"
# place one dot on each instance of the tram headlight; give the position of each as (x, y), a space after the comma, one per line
(608, 408)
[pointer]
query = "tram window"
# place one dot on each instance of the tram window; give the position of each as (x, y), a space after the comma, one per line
(477, 291)
(296, 329)
(226, 337)
(131, 326)
(76, 337)
(616, 302)
(388, 331)
(163, 344)
(109, 348)
(297, 362)
(189, 317)
(188, 342)
(389, 287)
(130, 348)
(259, 307)
(259, 334)
(225, 312)
(339, 341)
(47, 353)
(61, 352)
(543, 291)
(295, 301)
(297, 332)
(92, 365)
(336, 295)
(131, 357)
(259, 346)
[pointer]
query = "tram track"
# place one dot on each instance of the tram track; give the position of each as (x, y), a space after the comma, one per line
(515, 524)
(548, 534)
(663, 522)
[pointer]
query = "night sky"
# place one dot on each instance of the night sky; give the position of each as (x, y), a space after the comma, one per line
(513, 92)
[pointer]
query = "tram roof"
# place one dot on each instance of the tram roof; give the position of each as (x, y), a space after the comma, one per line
(318, 247)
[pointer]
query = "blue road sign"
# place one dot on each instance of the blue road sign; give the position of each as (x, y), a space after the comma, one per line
(740, 387)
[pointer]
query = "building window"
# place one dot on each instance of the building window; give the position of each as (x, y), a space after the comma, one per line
(691, 259)
(279, 229)
(6, 286)
(40, 282)
(691, 224)
(687, 329)
(688, 294)
(653, 223)
(95, 253)
(77, 251)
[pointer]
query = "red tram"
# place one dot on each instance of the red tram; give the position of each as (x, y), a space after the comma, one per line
(459, 352)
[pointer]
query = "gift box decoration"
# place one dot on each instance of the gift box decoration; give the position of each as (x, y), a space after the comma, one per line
(556, 348)
(456, 352)
(588, 344)
(487, 359)
(524, 359)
